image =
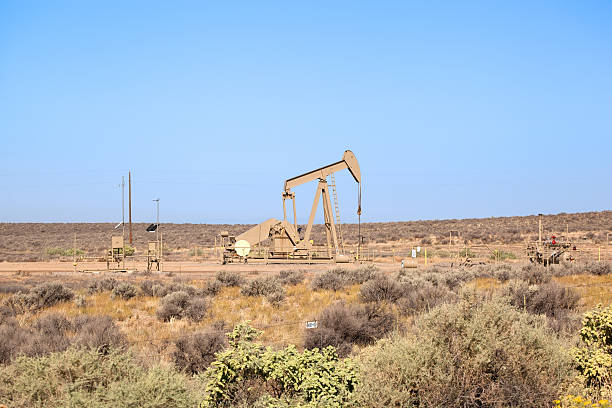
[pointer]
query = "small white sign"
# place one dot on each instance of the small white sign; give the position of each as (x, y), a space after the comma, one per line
(312, 325)
(414, 253)
(418, 249)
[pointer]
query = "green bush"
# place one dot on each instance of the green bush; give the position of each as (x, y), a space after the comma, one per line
(471, 354)
(247, 374)
(57, 251)
(501, 255)
(86, 378)
(594, 357)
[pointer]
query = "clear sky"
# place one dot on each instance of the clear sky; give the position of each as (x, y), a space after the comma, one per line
(453, 109)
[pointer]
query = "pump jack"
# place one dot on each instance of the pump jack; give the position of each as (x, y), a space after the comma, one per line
(285, 241)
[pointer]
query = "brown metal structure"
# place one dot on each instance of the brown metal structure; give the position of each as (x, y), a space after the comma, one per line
(286, 242)
(550, 251)
(116, 255)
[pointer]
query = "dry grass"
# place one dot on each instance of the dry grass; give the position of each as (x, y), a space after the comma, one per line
(282, 325)
(102, 304)
(593, 289)
(287, 320)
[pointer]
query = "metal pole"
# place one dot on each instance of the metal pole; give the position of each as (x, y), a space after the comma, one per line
(157, 243)
(157, 222)
(130, 202)
(123, 208)
(539, 231)
(74, 263)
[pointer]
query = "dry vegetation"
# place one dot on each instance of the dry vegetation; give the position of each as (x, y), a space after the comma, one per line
(36, 242)
(416, 322)
(493, 335)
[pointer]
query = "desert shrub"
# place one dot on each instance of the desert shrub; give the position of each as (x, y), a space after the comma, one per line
(381, 288)
(105, 284)
(159, 290)
(146, 287)
(124, 291)
(472, 354)
(501, 272)
(80, 301)
(597, 268)
(291, 277)
(86, 378)
(535, 274)
(48, 294)
(172, 306)
(230, 278)
(12, 289)
(15, 304)
(49, 335)
(52, 323)
(359, 275)
(179, 286)
(450, 278)
(177, 305)
(551, 299)
(13, 338)
(196, 309)
(212, 288)
(41, 296)
(261, 286)
(342, 326)
(422, 298)
(329, 280)
(194, 353)
(338, 278)
(247, 374)
(277, 297)
(97, 332)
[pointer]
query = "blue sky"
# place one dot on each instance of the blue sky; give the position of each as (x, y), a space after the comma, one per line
(453, 109)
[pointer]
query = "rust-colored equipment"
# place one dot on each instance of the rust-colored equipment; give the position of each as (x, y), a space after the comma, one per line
(550, 251)
(285, 241)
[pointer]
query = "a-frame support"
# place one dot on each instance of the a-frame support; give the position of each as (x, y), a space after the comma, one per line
(330, 227)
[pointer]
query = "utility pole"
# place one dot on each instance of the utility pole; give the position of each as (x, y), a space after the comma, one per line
(123, 206)
(159, 244)
(540, 231)
(130, 202)
(74, 262)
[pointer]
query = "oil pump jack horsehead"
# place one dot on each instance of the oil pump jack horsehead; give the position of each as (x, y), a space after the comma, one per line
(285, 241)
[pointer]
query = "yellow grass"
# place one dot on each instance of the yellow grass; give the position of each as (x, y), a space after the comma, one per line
(592, 289)
(103, 304)
(283, 324)
(488, 284)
